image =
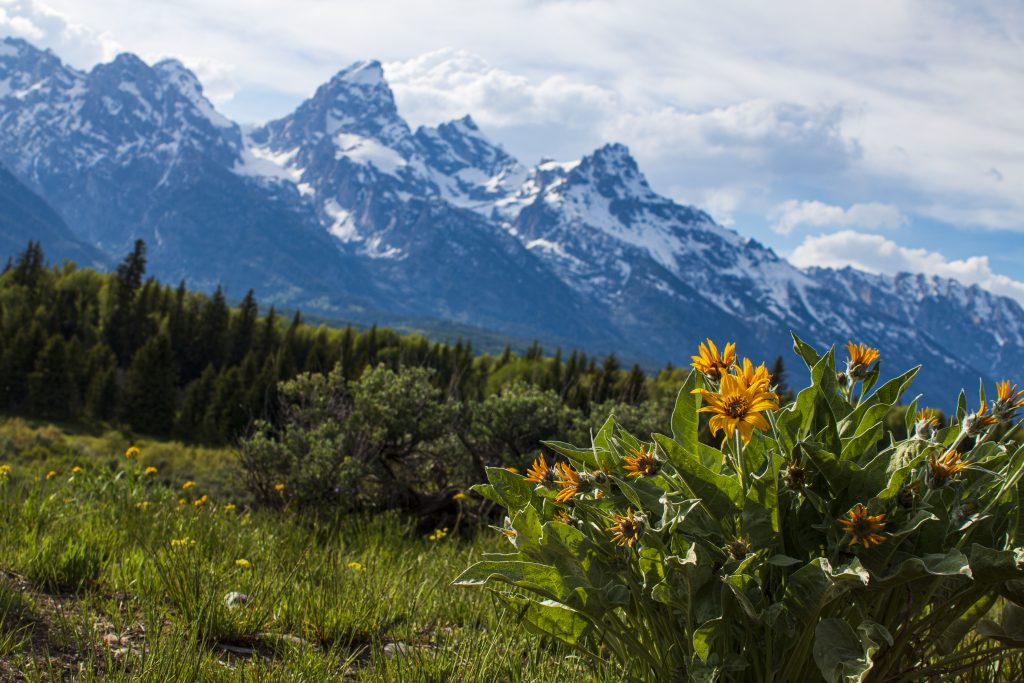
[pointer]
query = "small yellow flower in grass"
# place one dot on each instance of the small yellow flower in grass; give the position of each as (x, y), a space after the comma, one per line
(862, 527)
(132, 452)
(5, 471)
(244, 564)
(945, 467)
(459, 496)
(279, 487)
(182, 542)
(143, 505)
(187, 485)
(626, 529)
(230, 507)
(357, 566)
(711, 363)
(642, 463)
(182, 501)
(438, 534)
(51, 474)
(76, 470)
(149, 471)
(200, 502)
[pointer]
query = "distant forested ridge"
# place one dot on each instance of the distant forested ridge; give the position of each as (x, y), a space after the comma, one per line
(124, 349)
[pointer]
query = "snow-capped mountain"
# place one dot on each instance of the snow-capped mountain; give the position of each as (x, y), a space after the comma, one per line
(341, 208)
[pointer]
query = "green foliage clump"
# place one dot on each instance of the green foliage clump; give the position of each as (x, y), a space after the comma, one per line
(819, 549)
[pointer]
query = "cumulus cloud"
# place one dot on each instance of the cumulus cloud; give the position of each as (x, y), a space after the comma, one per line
(877, 254)
(792, 214)
(75, 43)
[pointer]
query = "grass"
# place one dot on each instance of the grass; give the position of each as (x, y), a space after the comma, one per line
(109, 574)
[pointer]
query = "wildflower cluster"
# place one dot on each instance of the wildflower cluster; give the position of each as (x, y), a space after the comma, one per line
(806, 543)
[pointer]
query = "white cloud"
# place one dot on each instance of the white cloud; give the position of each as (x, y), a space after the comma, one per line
(877, 254)
(75, 43)
(793, 214)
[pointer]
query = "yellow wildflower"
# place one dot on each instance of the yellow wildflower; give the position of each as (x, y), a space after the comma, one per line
(76, 470)
(132, 452)
(712, 364)
(279, 487)
(862, 527)
(861, 357)
(941, 469)
(357, 566)
(230, 507)
(149, 471)
(539, 472)
(143, 505)
(626, 529)
(182, 542)
(642, 463)
(739, 403)
(244, 564)
(1009, 400)
(199, 502)
(569, 480)
(51, 474)
(438, 534)
(187, 485)
(459, 496)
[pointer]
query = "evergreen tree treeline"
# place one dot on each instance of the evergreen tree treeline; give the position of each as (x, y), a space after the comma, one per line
(81, 345)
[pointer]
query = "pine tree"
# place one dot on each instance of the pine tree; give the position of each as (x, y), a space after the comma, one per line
(213, 329)
(52, 392)
(243, 329)
(101, 394)
(149, 392)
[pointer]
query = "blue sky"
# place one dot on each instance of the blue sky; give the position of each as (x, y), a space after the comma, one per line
(886, 135)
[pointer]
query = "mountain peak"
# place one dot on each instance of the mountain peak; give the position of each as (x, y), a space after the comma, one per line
(613, 170)
(367, 73)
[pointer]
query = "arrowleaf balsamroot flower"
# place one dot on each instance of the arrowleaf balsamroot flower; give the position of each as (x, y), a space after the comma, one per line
(568, 480)
(712, 364)
(862, 527)
(740, 402)
(540, 473)
(1009, 399)
(150, 471)
(943, 468)
(976, 423)
(626, 529)
(642, 463)
(861, 357)
(132, 452)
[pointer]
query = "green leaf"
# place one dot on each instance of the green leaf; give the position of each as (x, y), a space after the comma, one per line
(685, 418)
(583, 455)
(539, 578)
(512, 490)
(783, 561)
(989, 565)
(805, 351)
(721, 494)
(704, 638)
(960, 625)
(548, 618)
(1010, 630)
(839, 653)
